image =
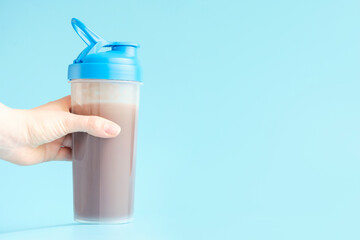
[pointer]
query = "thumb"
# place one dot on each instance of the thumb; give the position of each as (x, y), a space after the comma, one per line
(93, 125)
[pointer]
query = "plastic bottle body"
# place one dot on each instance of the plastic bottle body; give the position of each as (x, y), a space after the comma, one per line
(104, 169)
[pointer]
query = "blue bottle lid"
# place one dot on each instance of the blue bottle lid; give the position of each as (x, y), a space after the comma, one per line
(102, 59)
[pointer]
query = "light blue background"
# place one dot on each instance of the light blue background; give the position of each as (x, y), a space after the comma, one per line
(249, 120)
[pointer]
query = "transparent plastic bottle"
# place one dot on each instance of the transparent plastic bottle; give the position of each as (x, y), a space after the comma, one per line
(105, 82)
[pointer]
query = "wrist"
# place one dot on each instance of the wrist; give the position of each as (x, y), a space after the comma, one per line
(5, 137)
(11, 131)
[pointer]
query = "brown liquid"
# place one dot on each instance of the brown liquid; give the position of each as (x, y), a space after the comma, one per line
(104, 169)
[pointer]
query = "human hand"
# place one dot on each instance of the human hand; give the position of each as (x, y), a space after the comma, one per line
(44, 133)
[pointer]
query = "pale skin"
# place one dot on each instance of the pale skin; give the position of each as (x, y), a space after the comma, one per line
(43, 133)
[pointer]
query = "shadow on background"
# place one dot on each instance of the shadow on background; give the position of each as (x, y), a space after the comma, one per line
(39, 228)
(71, 231)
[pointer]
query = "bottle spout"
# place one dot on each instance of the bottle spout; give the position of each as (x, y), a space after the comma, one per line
(94, 42)
(85, 33)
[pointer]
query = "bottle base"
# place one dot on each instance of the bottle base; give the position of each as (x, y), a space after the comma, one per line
(104, 221)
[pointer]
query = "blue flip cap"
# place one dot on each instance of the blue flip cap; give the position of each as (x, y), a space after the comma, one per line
(102, 59)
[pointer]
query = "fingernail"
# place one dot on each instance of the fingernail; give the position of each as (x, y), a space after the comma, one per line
(112, 129)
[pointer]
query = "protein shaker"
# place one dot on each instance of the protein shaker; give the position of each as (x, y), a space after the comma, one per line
(105, 80)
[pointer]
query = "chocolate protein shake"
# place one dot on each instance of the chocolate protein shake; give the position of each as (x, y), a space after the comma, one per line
(104, 168)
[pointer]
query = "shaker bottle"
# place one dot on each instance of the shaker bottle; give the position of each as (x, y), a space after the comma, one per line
(105, 82)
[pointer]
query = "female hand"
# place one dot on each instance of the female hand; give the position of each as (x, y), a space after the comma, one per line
(44, 133)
